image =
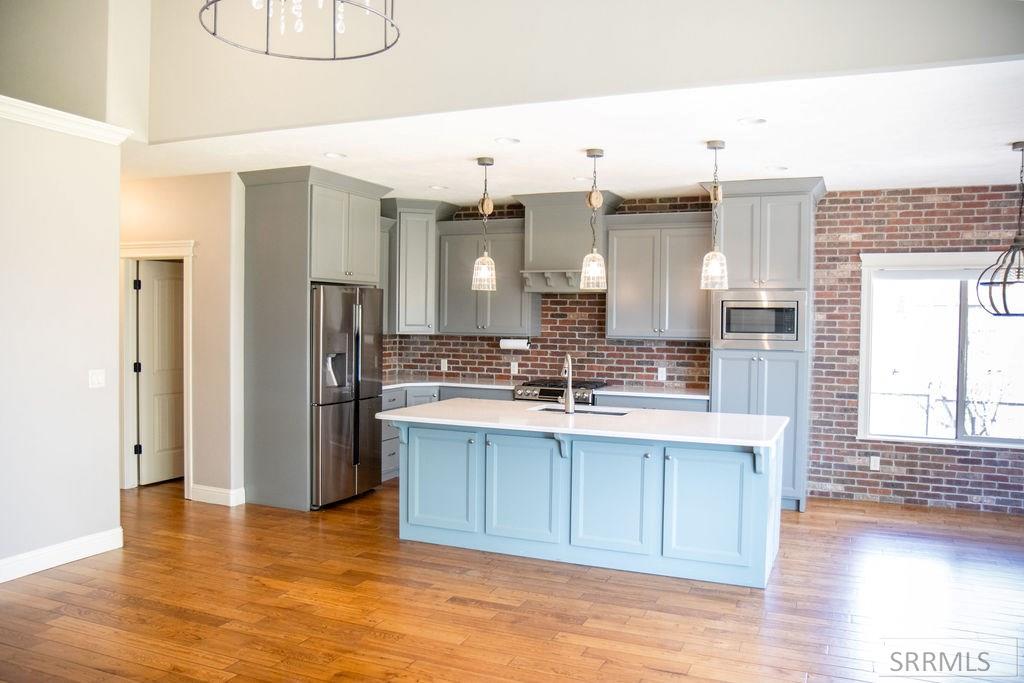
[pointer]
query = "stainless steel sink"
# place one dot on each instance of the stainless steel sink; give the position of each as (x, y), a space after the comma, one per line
(591, 410)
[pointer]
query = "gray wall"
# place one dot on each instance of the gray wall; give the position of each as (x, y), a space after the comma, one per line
(58, 320)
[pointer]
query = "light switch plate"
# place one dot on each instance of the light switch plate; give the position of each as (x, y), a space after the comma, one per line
(97, 379)
(876, 463)
(444, 365)
(513, 367)
(662, 374)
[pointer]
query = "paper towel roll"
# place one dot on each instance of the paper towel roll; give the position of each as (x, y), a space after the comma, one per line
(515, 344)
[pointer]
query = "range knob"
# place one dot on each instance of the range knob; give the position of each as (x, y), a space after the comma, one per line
(519, 392)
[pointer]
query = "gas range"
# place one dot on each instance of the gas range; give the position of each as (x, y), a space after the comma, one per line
(553, 389)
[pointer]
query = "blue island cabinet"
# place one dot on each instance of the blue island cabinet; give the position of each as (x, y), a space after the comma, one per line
(685, 510)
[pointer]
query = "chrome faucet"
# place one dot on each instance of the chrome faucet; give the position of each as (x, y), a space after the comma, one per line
(568, 400)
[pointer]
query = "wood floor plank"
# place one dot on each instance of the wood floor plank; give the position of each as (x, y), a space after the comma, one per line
(202, 592)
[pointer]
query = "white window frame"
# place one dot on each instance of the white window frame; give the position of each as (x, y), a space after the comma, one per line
(910, 265)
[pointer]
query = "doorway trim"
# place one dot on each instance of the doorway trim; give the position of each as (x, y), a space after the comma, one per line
(150, 251)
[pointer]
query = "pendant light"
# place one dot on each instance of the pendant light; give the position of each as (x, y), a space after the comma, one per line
(1001, 285)
(594, 277)
(714, 274)
(484, 275)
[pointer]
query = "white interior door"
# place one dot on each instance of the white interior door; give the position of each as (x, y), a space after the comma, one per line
(160, 388)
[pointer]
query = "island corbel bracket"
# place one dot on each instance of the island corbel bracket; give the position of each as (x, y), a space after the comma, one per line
(564, 445)
(403, 432)
(760, 453)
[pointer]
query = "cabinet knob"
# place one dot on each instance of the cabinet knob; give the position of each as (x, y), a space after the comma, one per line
(668, 457)
(647, 456)
(429, 326)
(472, 441)
(433, 396)
(489, 444)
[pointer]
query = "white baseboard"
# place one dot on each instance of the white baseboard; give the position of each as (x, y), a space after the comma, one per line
(218, 496)
(61, 553)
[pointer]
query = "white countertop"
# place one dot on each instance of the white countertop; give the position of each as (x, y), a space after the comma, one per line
(611, 389)
(725, 429)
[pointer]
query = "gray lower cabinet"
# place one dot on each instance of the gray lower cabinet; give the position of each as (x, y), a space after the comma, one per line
(654, 402)
(654, 264)
(417, 396)
(448, 392)
(509, 310)
(389, 459)
(769, 383)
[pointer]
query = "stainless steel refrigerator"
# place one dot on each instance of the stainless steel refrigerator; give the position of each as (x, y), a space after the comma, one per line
(346, 391)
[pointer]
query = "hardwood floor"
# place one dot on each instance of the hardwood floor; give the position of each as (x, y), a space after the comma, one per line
(208, 593)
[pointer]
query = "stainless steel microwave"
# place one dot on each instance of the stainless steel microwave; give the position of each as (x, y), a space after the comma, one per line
(763, 319)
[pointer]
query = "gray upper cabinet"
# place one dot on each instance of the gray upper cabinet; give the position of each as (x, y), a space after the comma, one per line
(769, 383)
(387, 267)
(768, 232)
(413, 279)
(509, 310)
(741, 241)
(344, 236)
(654, 263)
(634, 283)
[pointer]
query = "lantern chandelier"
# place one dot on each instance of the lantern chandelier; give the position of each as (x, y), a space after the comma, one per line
(1001, 285)
(485, 278)
(594, 275)
(316, 30)
(714, 273)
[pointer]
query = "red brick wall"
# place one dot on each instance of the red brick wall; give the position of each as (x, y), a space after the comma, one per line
(905, 220)
(570, 323)
(924, 220)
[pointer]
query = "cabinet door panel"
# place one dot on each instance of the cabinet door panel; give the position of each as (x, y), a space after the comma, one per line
(740, 237)
(734, 386)
(786, 242)
(684, 305)
(634, 283)
(417, 396)
(362, 245)
(443, 486)
(458, 308)
(613, 504)
(523, 485)
(783, 391)
(507, 310)
(706, 498)
(417, 273)
(328, 233)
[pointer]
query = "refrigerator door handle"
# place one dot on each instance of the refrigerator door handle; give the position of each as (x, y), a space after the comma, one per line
(357, 345)
(318, 436)
(318, 345)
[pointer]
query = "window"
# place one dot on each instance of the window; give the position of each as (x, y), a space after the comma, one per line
(934, 365)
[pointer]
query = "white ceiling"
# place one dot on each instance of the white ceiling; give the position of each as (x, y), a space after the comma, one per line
(944, 126)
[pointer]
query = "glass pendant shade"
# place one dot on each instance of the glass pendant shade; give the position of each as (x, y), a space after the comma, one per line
(594, 277)
(484, 275)
(714, 274)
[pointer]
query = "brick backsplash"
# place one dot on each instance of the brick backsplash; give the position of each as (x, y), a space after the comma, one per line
(848, 224)
(570, 323)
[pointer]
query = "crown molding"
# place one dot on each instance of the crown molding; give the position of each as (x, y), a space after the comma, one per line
(61, 121)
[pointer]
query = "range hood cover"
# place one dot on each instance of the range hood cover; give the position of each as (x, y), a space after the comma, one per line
(558, 237)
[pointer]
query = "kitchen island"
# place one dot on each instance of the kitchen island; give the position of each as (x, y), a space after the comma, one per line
(689, 495)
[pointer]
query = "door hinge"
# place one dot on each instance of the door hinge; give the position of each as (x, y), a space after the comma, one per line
(136, 366)
(138, 449)
(136, 284)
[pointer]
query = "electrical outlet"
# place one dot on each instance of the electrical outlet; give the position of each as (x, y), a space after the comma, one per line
(662, 374)
(444, 365)
(876, 463)
(513, 367)
(97, 379)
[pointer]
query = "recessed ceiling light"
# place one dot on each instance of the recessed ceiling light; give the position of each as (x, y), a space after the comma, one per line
(752, 121)
(581, 177)
(334, 155)
(438, 187)
(779, 168)
(507, 141)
